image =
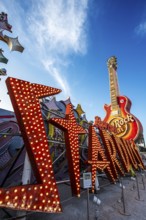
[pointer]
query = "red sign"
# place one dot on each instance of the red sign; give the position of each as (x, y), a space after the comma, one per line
(43, 196)
(72, 131)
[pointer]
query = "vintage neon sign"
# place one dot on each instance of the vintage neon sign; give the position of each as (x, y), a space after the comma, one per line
(123, 121)
(44, 196)
(111, 153)
(103, 125)
(122, 151)
(122, 124)
(97, 158)
(126, 149)
(72, 131)
(118, 112)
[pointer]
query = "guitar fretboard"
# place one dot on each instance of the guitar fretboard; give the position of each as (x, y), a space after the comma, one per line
(114, 89)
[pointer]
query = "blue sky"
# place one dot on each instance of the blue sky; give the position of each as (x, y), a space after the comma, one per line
(67, 44)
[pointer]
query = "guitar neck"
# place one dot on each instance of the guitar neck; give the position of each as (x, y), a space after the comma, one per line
(114, 88)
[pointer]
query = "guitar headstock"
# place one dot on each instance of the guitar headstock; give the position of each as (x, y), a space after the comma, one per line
(112, 62)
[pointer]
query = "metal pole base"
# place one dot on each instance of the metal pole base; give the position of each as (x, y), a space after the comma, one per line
(143, 181)
(88, 216)
(138, 193)
(139, 199)
(133, 188)
(123, 201)
(124, 213)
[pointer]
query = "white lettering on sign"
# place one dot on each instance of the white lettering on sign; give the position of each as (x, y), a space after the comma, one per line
(118, 123)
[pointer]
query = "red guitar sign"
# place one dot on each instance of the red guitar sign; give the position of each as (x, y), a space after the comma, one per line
(118, 112)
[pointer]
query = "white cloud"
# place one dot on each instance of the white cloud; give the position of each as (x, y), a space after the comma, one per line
(58, 30)
(59, 25)
(141, 29)
(49, 65)
(51, 31)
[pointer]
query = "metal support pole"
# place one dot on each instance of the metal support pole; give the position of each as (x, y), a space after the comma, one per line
(59, 156)
(25, 180)
(138, 193)
(123, 199)
(142, 178)
(88, 204)
(143, 181)
(26, 171)
(12, 166)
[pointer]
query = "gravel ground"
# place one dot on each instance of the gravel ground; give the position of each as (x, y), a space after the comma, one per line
(111, 206)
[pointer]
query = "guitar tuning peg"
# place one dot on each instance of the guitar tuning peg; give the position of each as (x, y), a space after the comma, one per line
(112, 62)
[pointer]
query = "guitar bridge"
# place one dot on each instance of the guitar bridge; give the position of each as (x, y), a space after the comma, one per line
(115, 112)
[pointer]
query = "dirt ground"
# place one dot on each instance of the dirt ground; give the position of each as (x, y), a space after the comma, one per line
(111, 206)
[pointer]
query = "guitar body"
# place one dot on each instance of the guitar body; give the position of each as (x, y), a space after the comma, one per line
(128, 126)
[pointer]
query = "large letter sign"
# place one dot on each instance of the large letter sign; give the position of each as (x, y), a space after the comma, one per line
(126, 151)
(44, 195)
(97, 158)
(72, 131)
(121, 149)
(109, 156)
